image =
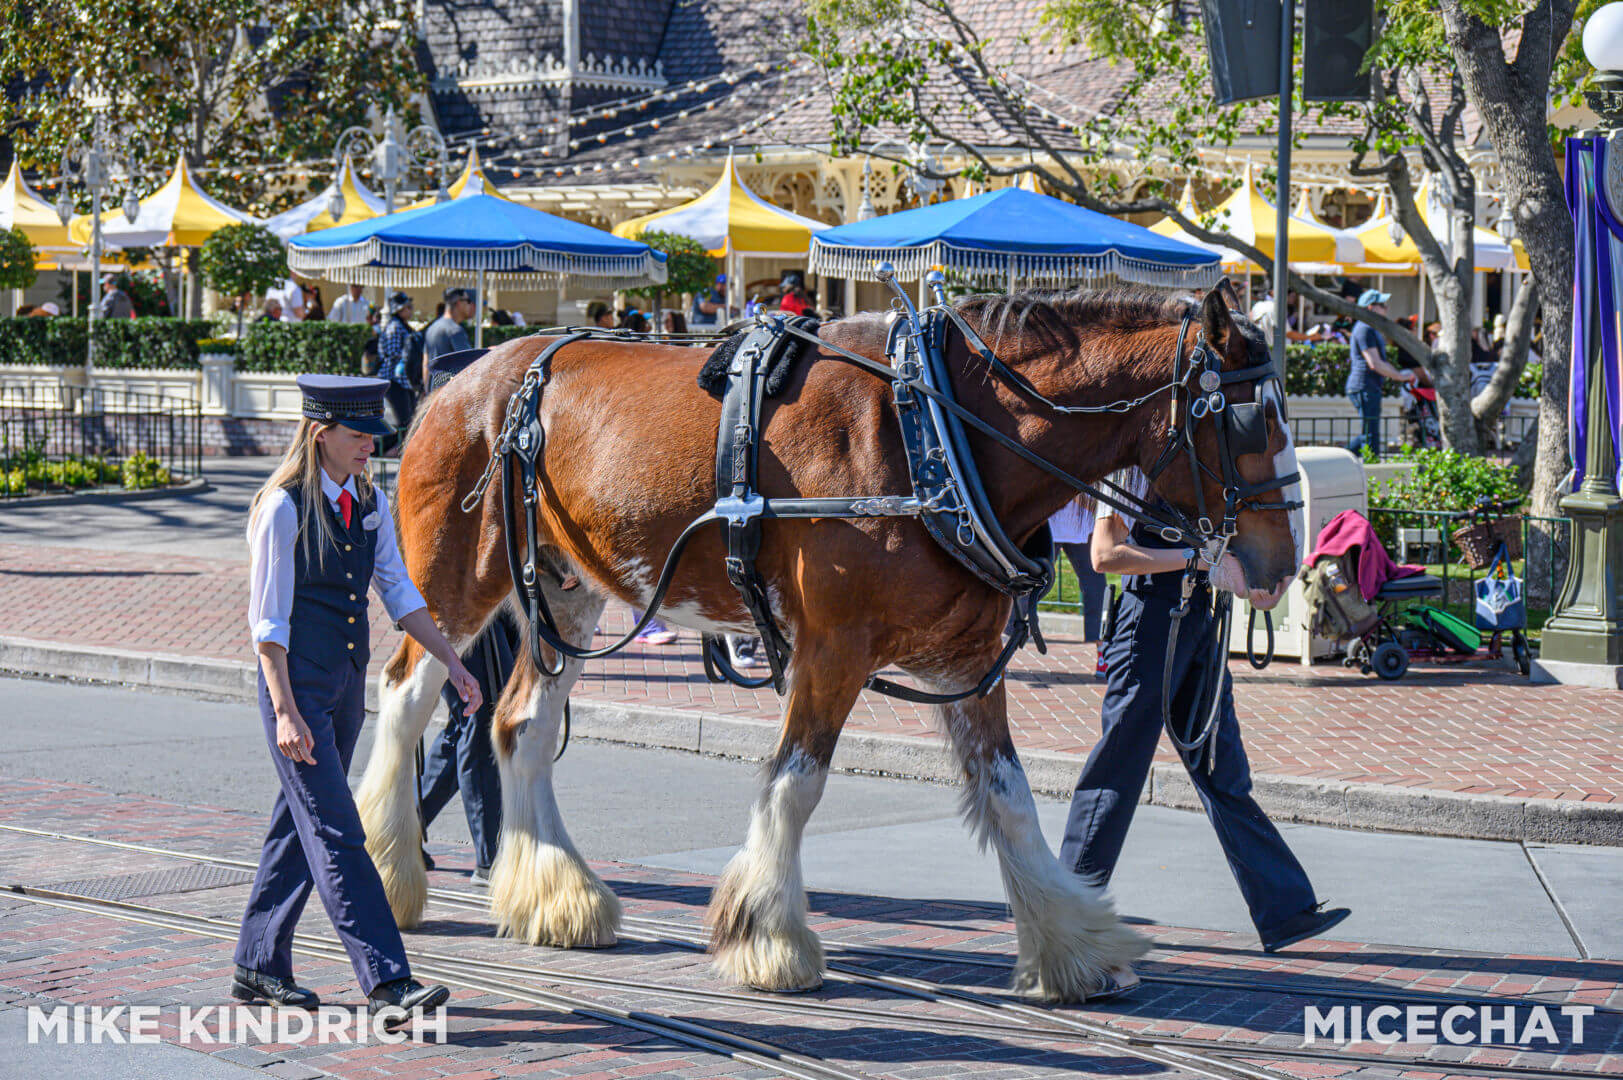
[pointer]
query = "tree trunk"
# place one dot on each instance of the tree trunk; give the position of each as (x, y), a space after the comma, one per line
(1512, 100)
(1451, 363)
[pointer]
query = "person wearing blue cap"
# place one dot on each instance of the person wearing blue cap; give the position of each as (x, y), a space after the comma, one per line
(1367, 367)
(319, 535)
(710, 305)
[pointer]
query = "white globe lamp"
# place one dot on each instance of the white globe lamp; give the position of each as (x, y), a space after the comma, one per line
(1603, 40)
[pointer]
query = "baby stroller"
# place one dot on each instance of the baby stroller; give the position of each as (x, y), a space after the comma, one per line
(1491, 541)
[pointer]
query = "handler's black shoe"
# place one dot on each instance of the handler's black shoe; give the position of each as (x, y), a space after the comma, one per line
(407, 994)
(250, 985)
(1310, 923)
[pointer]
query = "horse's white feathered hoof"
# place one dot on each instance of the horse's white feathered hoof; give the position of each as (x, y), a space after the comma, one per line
(783, 963)
(393, 839)
(1068, 965)
(544, 895)
(758, 934)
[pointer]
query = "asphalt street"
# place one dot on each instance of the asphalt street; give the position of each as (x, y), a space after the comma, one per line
(869, 835)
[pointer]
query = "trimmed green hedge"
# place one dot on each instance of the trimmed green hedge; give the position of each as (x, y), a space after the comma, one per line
(149, 343)
(120, 343)
(325, 348)
(46, 342)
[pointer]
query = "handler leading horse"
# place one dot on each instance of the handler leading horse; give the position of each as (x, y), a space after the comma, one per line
(629, 461)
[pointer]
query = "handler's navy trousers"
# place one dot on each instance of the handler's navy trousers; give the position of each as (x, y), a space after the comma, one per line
(1273, 882)
(462, 758)
(315, 838)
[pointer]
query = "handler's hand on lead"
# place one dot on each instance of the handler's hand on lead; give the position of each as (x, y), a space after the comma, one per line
(293, 738)
(467, 687)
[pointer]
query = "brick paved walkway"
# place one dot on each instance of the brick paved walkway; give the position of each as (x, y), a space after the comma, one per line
(1464, 728)
(51, 956)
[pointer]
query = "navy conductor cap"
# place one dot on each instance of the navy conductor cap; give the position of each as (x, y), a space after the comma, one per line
(350, 400)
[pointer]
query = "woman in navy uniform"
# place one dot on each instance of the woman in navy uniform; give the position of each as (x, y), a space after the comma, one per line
(1276, 889)
(319, 535)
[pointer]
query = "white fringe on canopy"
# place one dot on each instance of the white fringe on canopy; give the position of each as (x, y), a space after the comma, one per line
(837, 260)
(524, 281)
(523, 259)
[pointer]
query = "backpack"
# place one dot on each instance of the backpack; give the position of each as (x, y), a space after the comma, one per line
(1336, 609)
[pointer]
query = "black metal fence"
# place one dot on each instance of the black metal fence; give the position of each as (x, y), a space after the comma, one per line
(1395, 431)
(1426, 537)
(56, 437)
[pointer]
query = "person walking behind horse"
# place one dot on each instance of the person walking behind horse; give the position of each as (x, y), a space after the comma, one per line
(1276, 889)
(319, 536)
(462, 759)
(1367, 366)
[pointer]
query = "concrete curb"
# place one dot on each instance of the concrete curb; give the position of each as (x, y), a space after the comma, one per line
(194, 486)
(1286, 798)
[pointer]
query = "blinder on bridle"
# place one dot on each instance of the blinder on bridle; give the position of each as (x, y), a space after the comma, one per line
(1242, 428)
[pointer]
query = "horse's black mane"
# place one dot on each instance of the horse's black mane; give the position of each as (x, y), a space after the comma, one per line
(1055, 317)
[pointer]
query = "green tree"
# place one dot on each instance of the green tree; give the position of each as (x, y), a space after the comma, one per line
(688, 266)
(242, 259)
(232, 84)
(882, 70)
(16, 260)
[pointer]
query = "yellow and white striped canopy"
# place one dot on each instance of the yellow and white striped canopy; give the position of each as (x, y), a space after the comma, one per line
(179, 214)
(360, 204)
(1383, 255)
(22, 208)
(730, 219)
(1249, 217)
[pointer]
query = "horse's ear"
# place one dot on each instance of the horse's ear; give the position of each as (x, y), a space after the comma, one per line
(1230, 297)
(1214, 318)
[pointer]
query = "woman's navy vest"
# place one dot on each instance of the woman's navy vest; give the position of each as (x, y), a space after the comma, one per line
(329, 594)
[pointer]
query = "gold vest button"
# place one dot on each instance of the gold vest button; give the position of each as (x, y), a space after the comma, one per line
(352, 618)
(348, 574)
(346, 547)
(352, 596)
(351, 644)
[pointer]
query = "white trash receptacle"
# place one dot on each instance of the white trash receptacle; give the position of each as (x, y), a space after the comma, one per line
(1332, 481)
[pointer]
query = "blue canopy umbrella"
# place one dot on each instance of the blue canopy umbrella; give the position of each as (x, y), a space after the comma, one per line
(474, 239)
(1008, 234)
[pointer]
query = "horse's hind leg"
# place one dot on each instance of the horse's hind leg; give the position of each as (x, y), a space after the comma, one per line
(387, 797)
(541, 890)
(1069, 936)
(758, 913)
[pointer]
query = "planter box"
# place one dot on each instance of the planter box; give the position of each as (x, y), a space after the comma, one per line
(266, 396)
(43, 384)
(125, 388)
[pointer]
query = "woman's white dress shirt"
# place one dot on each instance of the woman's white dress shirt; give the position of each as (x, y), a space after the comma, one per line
(271, 536)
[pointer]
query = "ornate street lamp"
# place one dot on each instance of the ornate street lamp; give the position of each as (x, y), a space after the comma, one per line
(97, 165)
(866, 211)
(1583, 641)
(392, 154)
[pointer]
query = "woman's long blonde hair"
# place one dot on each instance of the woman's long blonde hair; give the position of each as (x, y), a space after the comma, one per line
(300, 468)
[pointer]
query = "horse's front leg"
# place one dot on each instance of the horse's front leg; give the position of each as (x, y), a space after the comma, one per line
(541, 890)
(1069, 935)
(758, 913)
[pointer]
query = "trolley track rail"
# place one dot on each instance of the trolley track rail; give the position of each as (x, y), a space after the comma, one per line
(693, 936)
(496, 977)
(991, 1013)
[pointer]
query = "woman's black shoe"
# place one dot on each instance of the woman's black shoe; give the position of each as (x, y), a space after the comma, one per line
(1310, 923)
(249, 985)
(407, 994)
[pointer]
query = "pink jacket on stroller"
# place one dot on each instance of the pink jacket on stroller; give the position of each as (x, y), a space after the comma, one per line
(1350, 529)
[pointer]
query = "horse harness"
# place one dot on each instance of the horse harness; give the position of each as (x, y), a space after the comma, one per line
(947, 496)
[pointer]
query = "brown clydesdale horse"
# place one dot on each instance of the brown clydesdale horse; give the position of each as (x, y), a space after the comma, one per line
(629, 461)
